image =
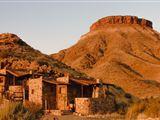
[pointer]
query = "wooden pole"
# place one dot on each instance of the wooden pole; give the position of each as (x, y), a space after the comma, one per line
(81, 90)
(24, 94)
(45, 102)
(14, 78)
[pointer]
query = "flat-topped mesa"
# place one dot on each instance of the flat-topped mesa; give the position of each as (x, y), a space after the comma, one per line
(131, 20)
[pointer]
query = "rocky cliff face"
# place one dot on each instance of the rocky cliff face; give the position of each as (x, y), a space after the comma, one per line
(122, 50)
(113, 20)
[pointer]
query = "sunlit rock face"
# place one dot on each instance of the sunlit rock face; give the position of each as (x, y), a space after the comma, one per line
(111, 20)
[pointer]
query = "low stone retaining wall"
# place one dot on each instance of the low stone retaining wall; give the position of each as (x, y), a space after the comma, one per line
(53, 112)
(15, 89)
(88, 106)
(16, 92)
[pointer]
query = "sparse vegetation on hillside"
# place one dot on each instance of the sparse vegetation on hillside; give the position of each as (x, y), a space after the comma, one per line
(17, 54)
(6, 54)
(123, 100)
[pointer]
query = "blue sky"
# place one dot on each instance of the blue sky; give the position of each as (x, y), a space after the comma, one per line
(52, 26)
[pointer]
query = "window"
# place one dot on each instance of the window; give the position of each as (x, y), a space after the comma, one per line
(32, 92)
(1, 80)
(60, 90)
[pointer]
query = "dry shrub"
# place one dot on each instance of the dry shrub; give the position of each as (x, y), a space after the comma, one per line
(13, 111)
(34, 109)
(17, 111)
(134, 110)
(149, 107)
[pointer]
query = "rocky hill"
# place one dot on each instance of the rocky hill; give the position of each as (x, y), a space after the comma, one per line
(122, 50)
(16, 54)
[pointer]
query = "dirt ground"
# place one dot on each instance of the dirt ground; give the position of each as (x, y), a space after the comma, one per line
(74, 117)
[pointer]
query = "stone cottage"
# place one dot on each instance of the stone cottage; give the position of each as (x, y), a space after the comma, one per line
(60, 93)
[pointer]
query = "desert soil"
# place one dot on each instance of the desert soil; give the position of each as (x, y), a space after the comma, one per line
(74, 117)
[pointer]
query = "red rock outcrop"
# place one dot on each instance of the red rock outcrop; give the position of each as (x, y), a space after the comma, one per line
(102, 23)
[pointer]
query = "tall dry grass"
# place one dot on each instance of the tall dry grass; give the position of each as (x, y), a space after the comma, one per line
(17, 111)
(149, 107)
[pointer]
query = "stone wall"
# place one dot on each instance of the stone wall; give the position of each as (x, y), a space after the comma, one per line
(86, 106)
(64, 79)
(16, 92)
(82, 106)
(3, 71)
(2, 84)
(120, 20)
(35, 90)
(1, 91)
(62, 97)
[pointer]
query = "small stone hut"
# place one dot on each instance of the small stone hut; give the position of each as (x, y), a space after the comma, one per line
(59, 93)
(48, 93)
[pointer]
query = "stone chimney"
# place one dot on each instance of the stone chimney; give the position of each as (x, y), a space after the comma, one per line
(97, 80)
(30, 72)
(66, 74)
(3, 71)
(64, 79)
